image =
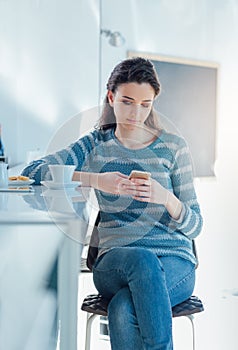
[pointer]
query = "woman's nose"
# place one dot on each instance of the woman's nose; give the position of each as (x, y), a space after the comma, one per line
(135, 111)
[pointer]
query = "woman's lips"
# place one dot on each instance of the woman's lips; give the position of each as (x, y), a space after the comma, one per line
(132, 121)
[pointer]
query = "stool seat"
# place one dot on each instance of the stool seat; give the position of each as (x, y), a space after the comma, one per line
(188, 307)
(97, 304)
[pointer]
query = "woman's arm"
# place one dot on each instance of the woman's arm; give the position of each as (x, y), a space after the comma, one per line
(190, 222)
(110, 182)
(74, 154)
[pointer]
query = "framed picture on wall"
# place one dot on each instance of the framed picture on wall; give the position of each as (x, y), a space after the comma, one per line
(187, 105)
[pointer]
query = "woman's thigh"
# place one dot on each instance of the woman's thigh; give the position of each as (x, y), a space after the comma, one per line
(110, 272)
(120, 265)
(180, 278)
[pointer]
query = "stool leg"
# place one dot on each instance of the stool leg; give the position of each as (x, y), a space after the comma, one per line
(191, 318)
(90, 320)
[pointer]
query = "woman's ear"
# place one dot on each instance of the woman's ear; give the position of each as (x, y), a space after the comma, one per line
(110, 97)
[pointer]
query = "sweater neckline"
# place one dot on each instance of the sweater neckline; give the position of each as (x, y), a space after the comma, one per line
(151, 145)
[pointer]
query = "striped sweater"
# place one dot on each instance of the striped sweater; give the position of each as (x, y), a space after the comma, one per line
(128, 222)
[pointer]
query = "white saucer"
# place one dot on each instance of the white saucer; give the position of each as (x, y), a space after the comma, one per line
(58, 185)
(20, 182)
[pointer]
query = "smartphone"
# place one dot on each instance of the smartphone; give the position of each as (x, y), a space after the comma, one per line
(137, 174)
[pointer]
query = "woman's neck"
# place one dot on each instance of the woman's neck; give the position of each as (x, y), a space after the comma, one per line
(135, 139)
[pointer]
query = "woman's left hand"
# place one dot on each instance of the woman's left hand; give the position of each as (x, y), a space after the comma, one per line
(148, 191)
(152, 191)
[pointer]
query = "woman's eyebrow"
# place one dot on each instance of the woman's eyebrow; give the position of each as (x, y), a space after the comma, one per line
(130, 98)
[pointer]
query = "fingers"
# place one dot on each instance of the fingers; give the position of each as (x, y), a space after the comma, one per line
(134, 190)
(141, 182)
(144, 195)
(139, 189)
(142, 199)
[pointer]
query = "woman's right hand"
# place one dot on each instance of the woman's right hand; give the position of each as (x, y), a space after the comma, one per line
(110, 182)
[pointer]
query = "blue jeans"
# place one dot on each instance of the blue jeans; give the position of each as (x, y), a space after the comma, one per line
(142, 288)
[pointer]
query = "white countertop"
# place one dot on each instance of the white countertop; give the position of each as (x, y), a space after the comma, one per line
(42, 205)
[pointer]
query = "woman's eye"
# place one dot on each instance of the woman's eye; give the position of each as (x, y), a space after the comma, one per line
(129, 103)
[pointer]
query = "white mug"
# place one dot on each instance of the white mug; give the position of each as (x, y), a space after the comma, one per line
(3, 175)
(62, 173)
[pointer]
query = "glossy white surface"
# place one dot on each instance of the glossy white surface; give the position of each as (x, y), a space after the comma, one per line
(41, 239)
(16, 208)
(59, 185)
(35, 207)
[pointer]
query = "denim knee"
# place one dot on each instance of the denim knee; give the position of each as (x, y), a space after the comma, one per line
(144, 261)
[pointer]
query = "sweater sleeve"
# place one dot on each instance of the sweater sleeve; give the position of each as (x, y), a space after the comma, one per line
(75, 154)
(190, 221)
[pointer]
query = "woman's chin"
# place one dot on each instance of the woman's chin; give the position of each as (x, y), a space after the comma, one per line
(132, 125)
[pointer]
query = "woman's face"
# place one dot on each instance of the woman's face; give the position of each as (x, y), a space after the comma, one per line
(132, 103)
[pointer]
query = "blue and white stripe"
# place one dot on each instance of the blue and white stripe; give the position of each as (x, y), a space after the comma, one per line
(129, 222)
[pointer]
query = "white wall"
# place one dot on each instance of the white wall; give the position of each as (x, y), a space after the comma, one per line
(48, 70)
(49, 73)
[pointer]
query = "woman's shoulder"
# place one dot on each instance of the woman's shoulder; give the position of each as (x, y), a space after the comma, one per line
(96, 135)
(173, 139)
(101, 135)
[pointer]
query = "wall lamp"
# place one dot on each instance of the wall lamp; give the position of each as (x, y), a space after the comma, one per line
(115, 38)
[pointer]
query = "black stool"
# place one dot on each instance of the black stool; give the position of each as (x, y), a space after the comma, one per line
(96, 305)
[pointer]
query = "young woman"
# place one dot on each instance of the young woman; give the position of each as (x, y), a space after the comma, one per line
(146, 263)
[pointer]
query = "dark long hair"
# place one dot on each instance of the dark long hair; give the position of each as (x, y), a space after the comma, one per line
(133, 70)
